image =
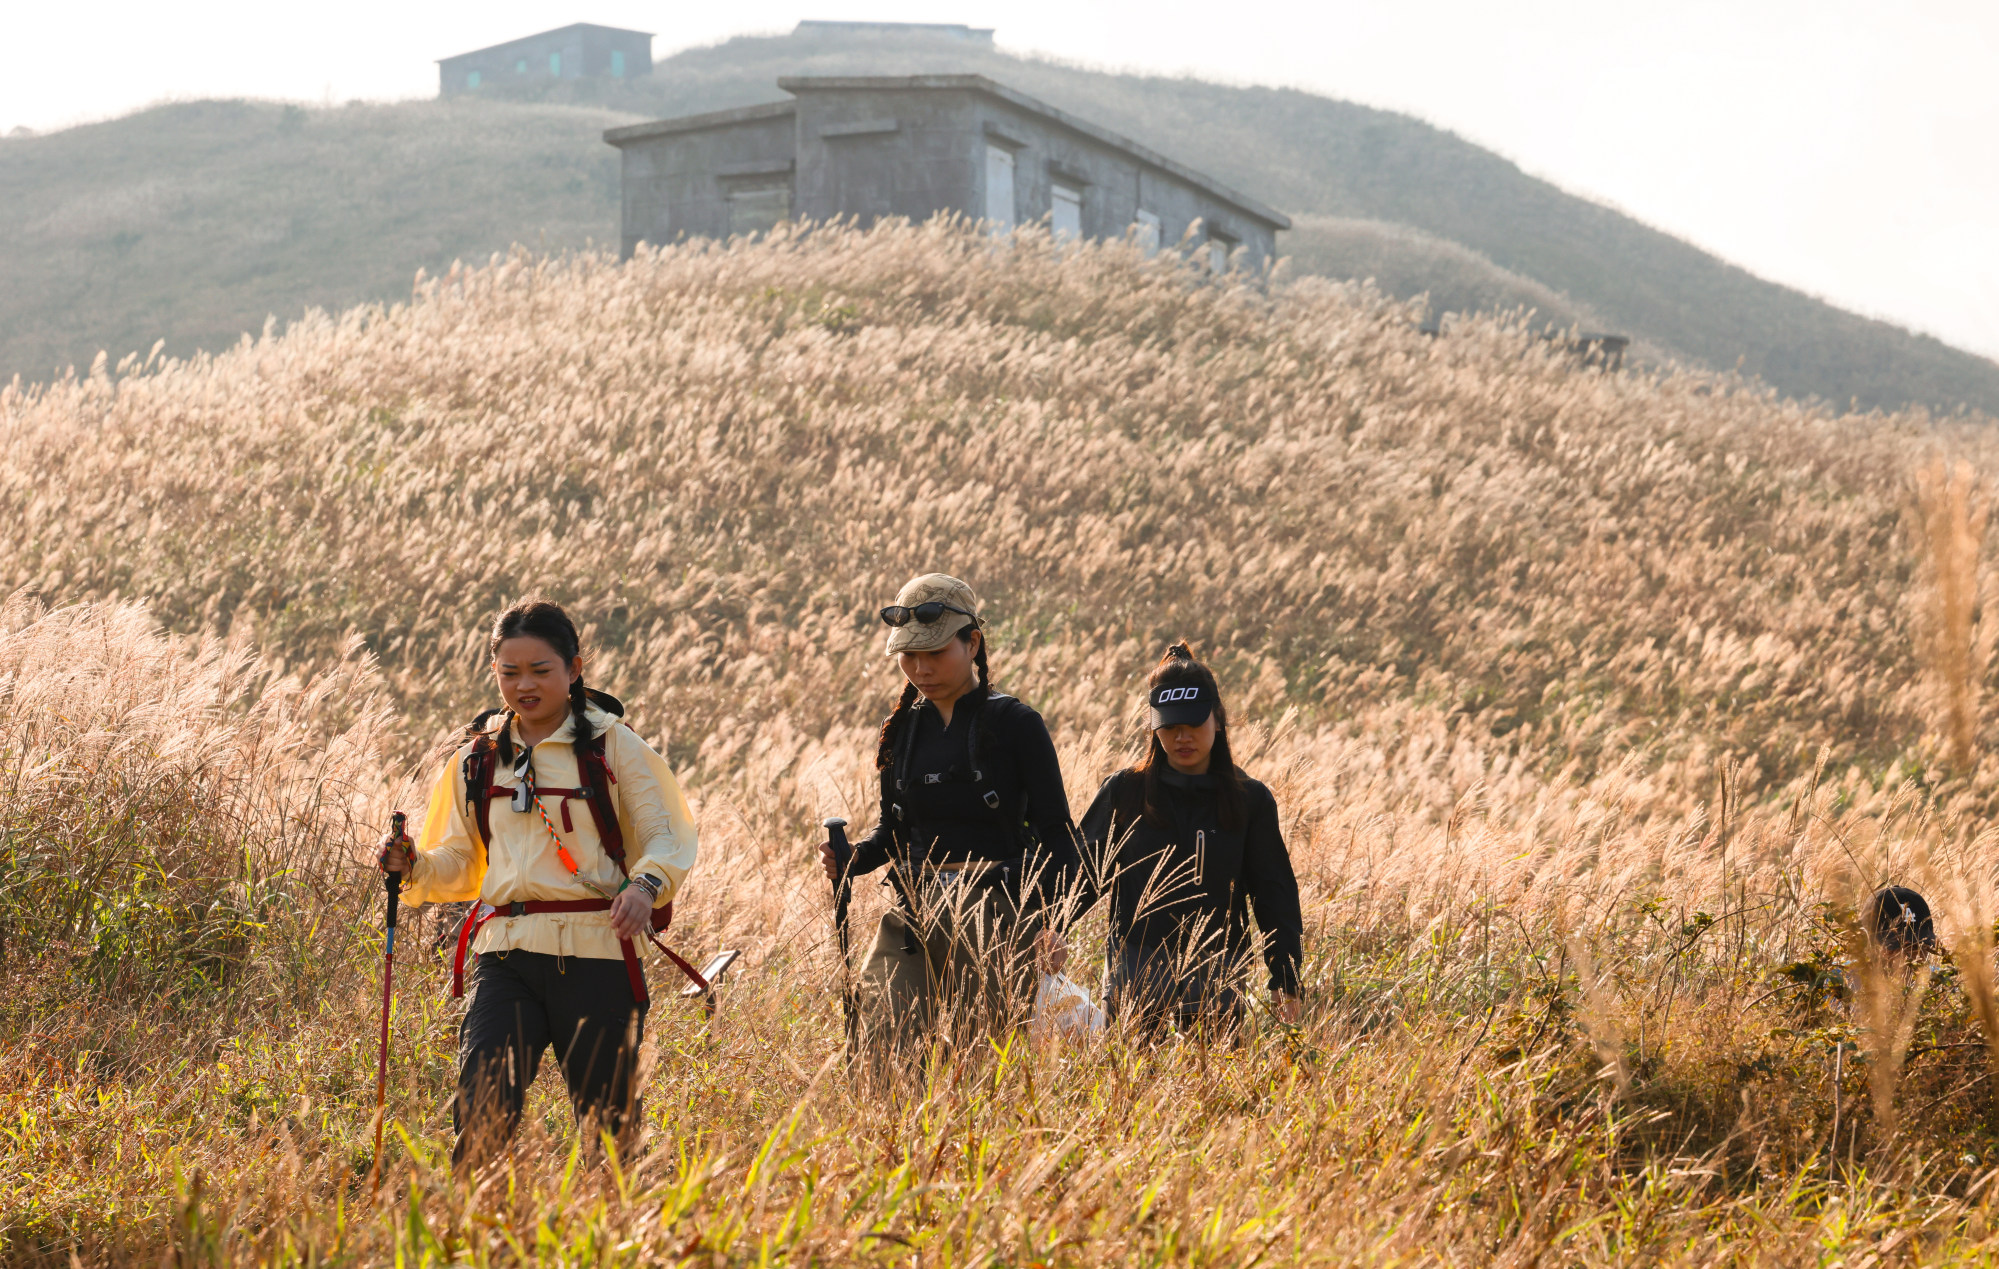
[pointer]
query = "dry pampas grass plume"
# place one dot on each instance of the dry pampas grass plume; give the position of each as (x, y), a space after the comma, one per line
(1950, 511)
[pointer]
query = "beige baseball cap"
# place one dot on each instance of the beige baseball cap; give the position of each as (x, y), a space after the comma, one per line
(928, 636)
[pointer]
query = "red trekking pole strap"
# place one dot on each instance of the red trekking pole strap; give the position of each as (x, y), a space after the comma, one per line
(693, 974)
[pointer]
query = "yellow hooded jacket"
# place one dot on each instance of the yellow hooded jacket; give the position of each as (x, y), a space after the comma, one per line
(520, 862)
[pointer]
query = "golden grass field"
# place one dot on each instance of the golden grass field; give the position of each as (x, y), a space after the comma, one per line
(1592, 703)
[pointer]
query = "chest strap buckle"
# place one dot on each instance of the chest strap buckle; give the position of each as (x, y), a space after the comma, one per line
(992, 798)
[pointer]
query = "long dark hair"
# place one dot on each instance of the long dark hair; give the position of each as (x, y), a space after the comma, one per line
(892, 726)
(1179, 667)
(542, 619)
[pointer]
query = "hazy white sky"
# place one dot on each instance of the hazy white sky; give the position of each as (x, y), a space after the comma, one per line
(1846, 147)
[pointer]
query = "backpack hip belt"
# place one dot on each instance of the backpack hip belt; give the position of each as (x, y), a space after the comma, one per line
(476, 919)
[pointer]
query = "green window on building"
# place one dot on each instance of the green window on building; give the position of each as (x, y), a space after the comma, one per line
(472, 80)
(617, 63)
(521, 67)
(555, 65)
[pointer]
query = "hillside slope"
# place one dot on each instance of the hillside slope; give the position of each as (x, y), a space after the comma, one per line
(1405, 262)
(1306, 153)
(738, 454)
(1536, 662)
(192, 223)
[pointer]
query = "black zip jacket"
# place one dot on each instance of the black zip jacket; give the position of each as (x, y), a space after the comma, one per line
(987, 788)
(1201, 877)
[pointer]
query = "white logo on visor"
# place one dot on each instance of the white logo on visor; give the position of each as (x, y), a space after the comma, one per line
(1171, 694)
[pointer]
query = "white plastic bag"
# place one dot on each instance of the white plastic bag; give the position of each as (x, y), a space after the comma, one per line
(1062, 1008)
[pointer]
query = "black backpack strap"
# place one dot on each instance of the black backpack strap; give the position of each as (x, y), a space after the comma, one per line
(898, 772)
(982, 727)
(476, 772)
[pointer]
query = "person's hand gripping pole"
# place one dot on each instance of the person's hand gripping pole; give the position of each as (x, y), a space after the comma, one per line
(394, 859)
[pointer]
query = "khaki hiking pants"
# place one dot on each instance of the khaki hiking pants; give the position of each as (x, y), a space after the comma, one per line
(961, 971)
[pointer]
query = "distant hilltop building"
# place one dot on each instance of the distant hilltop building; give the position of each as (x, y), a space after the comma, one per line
(915, 146)
(947, 30)
(569, 52)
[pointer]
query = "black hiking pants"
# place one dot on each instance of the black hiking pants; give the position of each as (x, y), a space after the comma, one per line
(522, 1002)
(1156, 993)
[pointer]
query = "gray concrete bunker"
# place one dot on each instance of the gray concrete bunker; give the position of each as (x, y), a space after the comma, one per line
(915, 146)
(578, 51)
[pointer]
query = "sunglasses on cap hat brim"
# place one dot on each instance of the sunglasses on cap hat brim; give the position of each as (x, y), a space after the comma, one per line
(899, 615)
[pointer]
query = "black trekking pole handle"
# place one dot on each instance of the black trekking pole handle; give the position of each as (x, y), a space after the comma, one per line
(843, 889)
(843, 892)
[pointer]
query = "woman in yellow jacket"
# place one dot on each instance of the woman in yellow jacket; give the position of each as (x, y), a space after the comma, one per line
(518, 820)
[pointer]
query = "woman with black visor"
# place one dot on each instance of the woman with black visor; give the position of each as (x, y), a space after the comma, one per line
(975, 831)
(1189, 846)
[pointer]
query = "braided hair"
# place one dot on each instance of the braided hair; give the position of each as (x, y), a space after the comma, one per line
(543, 619)
(1177, 668)
(978, 657)
(892, 725)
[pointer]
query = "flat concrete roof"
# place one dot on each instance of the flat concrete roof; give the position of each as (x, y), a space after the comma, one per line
(980, 34)
(542, 35)
(698, 123)
(796, 84)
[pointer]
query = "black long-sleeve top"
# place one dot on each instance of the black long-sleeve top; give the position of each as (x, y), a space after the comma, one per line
(1183, 879)
(939, 808)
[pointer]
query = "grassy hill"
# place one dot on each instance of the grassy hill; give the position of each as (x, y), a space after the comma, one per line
(1405, 262)
(1592, 704)
(193, 222)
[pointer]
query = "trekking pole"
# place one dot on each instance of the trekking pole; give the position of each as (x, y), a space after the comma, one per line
(843, 889)
(843, 893)
(393, 883)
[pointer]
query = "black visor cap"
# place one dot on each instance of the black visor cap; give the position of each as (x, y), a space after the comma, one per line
(1181, 705)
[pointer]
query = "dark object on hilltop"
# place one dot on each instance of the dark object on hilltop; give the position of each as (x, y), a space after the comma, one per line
(868, 147)
(1599, 351)
(581, 51)
(1898, 919)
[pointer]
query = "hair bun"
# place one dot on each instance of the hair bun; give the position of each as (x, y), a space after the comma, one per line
(1179, 652)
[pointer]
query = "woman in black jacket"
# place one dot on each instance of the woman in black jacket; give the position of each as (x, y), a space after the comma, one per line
(1191, 847)
(975, 832)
